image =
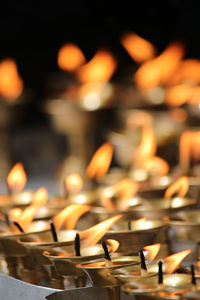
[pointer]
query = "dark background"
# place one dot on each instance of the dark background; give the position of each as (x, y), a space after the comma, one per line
(32, 33)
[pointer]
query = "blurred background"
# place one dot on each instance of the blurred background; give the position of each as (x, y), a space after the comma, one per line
(32, 33)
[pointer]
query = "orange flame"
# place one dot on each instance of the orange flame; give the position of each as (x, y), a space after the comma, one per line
(152, 251)
(124, 189)
(70, 215)
(189, 148)
(100, 162)
(139, 119)
(15, 214)
(174, 260)
(99, 69)
(11, 84)
(40, 197)
(27, 216)
(146, 148)
(181, 186)
(113, 244)
(157, 71)
(188, 70)
(73, 183)
(156, 164)
(17, 178)
(92, 235)
(178, 95)
(70, 57)
(139, 222)
(179, 114)
(138, 48)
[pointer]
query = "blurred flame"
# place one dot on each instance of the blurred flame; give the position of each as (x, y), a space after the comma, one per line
(140, 222)
(11, 84)
(17, 177)
(125, 189)
(174, 260)
(139, 119)
(179, 114)
(70, 215)
(73, 183)
(138, 48)
(99, 69)
(152, 251)
(188, 70)
(178, 95)
(40, 197)
(92, 235)
(70, 57)
(100, 162)
(156, 164)
(147, 147)
(158, 71)
(15, 214)
(189, 148)
(113, 244)
(27, 216)
(181, 186)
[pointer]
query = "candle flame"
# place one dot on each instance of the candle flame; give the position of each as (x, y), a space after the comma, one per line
(140, 222)
(188, 70)
(27, 216)
(92, 235)
(99, 69)
(174, 260)
(139, 119)
(70, 215)
(180, 186)
(100, 162)
(17, 178)
(124, 190)
(11, 84)
(158, 71)
(70, 57)
(152, 250)
(139, 49)
(179, 114)
(178, 95)
(189, 148)
(113, 244)
(156, 165)
(40, 197)
(73, 183)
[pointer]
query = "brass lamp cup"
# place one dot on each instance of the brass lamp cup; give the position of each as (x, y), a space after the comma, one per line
(99, 273)
(36, 248)
(89, 197)
(65, 262)
(158, 208)
(185, 225)
(139, 236)
(148, 288)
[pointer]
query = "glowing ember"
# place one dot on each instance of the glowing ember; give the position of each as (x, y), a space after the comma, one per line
(91, 236)
(70, 215)
(11, 84)
(138, 48)
(70, 57)
(40, 197)
(99, 69)
(17, 178)
(174, 260)
(152, 251)
(100, 162)
(73, 183)
(180, 186)
(123, 191)
(158, 71)
(156, 165)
